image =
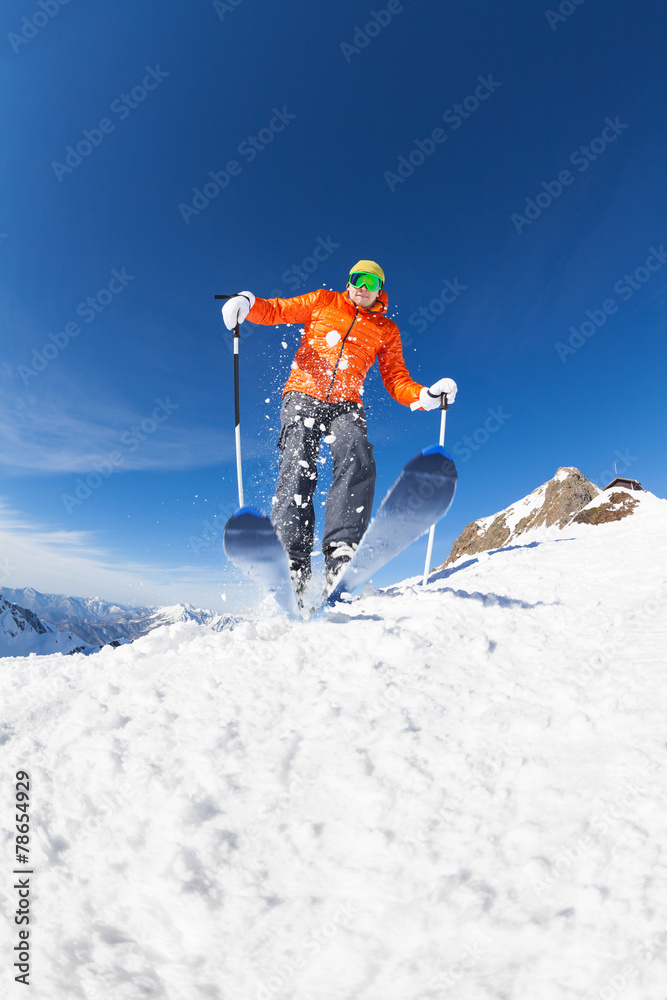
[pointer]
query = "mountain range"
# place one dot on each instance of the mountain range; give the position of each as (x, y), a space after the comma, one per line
(35, 622)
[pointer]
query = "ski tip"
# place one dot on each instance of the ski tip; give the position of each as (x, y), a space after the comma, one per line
(437, 449)
(249, 510)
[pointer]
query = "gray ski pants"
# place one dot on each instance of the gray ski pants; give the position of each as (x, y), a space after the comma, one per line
(303, 421)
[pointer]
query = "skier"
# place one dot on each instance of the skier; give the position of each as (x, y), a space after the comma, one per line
(343, 335)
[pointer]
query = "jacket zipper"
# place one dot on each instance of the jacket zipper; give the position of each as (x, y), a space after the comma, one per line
(340, 353)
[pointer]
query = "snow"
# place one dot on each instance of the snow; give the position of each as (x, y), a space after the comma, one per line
(517, 511)
(446, 791)
(22, 632)
(562, 474)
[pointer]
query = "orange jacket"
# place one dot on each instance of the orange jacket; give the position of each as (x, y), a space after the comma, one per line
(339, 344)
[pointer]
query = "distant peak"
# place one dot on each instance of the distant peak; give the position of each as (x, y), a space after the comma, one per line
(566, 471)
(553, 503)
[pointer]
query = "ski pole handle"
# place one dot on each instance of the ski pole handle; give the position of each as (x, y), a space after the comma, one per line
(444, 406)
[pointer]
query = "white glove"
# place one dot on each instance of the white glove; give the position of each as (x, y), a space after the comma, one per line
(237, 308)
(429, 398)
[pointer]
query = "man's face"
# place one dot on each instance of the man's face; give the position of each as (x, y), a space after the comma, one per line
(362, 296)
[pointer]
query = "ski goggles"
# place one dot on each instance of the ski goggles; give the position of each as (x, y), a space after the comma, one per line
(363, 279)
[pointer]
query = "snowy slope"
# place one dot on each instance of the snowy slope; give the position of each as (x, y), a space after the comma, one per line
(22, 632)
(455, 791)
(525, 508)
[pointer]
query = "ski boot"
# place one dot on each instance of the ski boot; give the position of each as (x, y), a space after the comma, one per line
(336, 557)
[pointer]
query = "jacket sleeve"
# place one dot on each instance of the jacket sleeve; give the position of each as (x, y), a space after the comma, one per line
(268, 312)
(394, 372)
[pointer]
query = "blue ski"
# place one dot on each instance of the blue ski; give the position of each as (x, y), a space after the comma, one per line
(421, 495)
(251, 543)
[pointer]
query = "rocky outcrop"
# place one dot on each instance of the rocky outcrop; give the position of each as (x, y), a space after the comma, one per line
(556, 502)
(564, 496)
(475, 538)
(615, 507)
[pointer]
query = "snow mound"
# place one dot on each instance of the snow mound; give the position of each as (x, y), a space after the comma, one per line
(455, 790)
(617, 502)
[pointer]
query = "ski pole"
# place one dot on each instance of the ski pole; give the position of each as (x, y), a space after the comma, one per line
(237, 412)
(444, 406)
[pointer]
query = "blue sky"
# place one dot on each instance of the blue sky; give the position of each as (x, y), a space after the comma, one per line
(515, 153)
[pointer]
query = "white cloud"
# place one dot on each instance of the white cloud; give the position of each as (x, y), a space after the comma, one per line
(72, 433)
(74, 563)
